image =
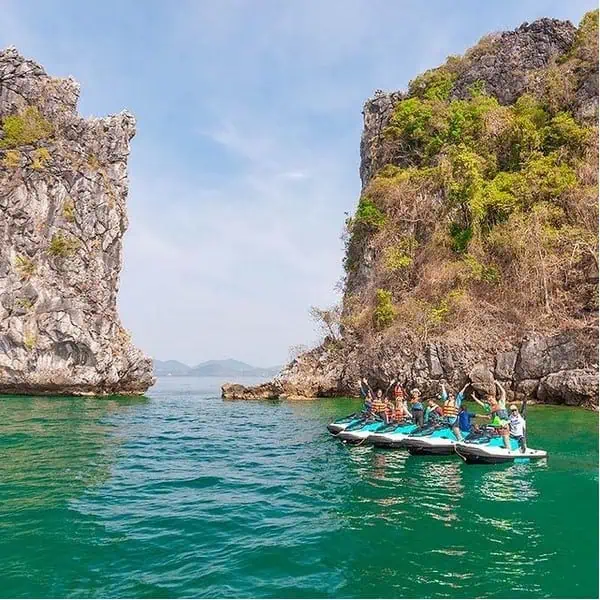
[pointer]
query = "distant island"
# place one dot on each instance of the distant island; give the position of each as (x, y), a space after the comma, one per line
(212, 368)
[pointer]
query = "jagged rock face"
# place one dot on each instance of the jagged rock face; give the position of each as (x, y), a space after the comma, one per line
(506, 63)
(544, 368)
(63, 213)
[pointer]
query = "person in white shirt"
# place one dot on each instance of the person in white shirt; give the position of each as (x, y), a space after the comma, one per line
(517, 426)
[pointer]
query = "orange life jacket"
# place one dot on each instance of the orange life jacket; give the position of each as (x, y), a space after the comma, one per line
(449, 409)
(378, 405)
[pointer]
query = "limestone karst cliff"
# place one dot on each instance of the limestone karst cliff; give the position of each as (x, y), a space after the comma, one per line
(63, 189)
(473, 251)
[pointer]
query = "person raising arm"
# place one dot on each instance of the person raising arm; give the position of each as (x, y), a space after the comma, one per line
(451, 407)
(367, 394)
(416, 407)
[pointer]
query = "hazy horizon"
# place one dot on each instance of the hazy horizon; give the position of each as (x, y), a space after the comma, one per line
(247, 148)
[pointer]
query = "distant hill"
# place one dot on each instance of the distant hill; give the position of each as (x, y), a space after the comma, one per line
(170, 367)
(212, 368)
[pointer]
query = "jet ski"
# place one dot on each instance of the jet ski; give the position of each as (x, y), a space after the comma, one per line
(340, 424)
(487, 447)
(392, 435)
(433, 439)
(359, 432)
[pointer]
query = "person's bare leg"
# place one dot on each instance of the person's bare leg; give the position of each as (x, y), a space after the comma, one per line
(506, 438)
(456, 432)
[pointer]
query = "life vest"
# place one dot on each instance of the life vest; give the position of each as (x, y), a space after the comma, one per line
(378, 405)
(400, 409)
(450, 409)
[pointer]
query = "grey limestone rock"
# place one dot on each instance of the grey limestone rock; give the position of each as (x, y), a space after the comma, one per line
(575, 387)
(62, 217)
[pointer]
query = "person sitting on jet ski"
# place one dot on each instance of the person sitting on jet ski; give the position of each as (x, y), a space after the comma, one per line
(398, 391)
(433, 412)
(451, 407)
(465, 417)
(389, 410)
(401, 410)
(378, 406)
(389, 404)
(416, 407)
(517, 425)
(498, 415)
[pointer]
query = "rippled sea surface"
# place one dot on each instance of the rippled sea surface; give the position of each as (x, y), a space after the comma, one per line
(182, 494)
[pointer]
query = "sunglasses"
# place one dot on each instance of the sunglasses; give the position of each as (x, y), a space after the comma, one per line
(513, 410)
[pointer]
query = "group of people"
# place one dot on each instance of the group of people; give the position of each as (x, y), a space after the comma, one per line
(395, 405)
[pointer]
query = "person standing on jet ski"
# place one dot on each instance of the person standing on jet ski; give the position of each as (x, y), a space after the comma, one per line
(416, 407)
(516, 425)
(451, 407)
(498, 414)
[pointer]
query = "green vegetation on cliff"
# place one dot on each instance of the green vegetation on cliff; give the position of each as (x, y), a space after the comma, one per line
(499, 202)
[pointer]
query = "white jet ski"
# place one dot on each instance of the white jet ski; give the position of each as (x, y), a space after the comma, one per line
(359, 432)
(393, 435)
(436, 439)
(489, 449)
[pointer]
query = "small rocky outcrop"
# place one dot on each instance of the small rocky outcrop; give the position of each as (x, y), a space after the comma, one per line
(63, 190)
(265, 391)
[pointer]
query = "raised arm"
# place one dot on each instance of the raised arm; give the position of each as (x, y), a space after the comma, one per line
(364, 389)
(502, 400)
(474, 396)
(367, 385)
(389, 387)
(444, 392)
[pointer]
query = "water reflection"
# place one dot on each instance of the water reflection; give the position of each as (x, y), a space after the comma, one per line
(442, 487)
(53, 448)
(508, 484)
(387, 465)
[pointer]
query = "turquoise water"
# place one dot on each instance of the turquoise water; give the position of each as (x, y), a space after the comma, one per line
(181, 494)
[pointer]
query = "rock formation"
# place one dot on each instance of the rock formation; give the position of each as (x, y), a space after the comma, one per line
(473, 253)
(63, 189)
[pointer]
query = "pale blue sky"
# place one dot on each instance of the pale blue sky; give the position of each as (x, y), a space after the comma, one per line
(247, 151)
